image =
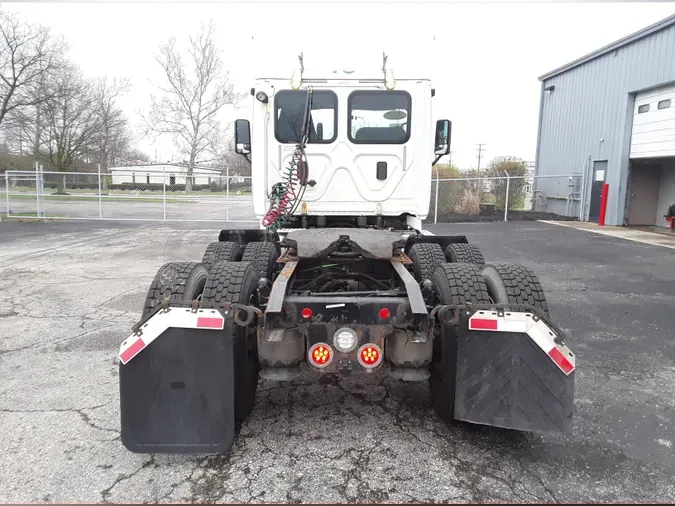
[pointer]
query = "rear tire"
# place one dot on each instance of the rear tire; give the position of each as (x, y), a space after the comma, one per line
(454, 284)
(225, 251)
(237, 282)
(514, 284)
(464, 254)
(426, 256)
(263, 256)
(180, 282)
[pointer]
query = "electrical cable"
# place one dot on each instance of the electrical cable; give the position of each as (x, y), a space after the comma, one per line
(285, 196)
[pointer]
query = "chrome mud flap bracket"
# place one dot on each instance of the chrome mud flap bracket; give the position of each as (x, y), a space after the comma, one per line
(513, 370)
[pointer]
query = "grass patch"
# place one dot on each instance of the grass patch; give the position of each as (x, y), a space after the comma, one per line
(94, 198)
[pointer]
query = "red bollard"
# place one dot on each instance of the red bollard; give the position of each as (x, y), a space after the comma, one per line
(603, 204)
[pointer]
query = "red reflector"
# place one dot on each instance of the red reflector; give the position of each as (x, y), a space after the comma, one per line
(306, 313)
(561, 360)
(209, 323)
(384, 313)
(131, 351)
(481, 324)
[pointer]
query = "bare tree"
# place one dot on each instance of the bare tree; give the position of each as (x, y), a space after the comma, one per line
(133, 156)
(191, 97)
(71, 120)
(113, 139)
(28, 55)
(23, 127)
(228, 160)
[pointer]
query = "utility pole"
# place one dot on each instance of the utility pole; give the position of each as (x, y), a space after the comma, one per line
(480, 149)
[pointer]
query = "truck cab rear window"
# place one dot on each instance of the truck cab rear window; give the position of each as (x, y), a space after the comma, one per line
(379, 117)
(289, 110)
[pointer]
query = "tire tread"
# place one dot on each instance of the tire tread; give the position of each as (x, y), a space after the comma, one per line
(262, 255)
(466, 283)
(170, 282)
(225, 251)
(226, 282)
(235, 282)
(464, 253)
(426, 256)
(522, 285)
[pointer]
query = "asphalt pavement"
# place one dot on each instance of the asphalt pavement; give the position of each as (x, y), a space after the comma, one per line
(70, 291)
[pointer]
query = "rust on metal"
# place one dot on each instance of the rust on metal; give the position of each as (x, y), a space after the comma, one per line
(402, 258)
(286, 257)
(276, 299)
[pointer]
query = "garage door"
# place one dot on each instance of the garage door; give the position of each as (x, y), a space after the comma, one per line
(654, 124)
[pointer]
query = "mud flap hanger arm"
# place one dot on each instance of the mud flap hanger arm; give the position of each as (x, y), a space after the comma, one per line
(449, 314)
(224, 307)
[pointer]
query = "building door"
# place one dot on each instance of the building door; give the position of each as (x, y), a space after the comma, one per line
(653, 134)
(644, 193)
(599, 178)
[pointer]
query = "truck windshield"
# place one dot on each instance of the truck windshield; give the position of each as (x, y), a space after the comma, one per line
(289, 109)
(379, 117)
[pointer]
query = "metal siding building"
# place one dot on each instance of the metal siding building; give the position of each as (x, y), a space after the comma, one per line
(586, 113)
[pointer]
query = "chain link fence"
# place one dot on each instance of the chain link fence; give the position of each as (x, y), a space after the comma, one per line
(128, 196)
(218, 197)
(505, 198)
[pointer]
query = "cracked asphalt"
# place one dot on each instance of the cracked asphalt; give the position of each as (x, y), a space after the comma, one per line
(69, 293)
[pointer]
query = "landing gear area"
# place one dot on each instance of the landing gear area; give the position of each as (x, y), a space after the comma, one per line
(345, 302)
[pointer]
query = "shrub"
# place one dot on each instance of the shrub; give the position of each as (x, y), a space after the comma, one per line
(469, 203)
(516, 168)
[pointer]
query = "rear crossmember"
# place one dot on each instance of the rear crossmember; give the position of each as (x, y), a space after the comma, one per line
(410, 311)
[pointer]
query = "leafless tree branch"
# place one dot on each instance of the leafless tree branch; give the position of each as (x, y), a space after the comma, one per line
(192, 96)
(29, 55)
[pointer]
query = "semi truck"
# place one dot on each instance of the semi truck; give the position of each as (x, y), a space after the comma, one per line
(340, 278)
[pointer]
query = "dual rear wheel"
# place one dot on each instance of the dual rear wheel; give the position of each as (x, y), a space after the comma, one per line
(228, 272)
(461, 283)
(426, 256)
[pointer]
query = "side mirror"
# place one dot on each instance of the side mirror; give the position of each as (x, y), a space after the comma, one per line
(443, 130)
(242, 137)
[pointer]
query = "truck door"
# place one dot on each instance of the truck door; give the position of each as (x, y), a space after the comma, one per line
(358, 149)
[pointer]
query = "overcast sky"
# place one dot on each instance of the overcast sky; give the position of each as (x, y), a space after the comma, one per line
(484, 59)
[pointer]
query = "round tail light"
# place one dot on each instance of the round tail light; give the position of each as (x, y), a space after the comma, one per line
(370, 355)
(345, 340)
(320, 355)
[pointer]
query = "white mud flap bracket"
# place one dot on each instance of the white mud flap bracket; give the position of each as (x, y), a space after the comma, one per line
(177, 317)
(530, 324)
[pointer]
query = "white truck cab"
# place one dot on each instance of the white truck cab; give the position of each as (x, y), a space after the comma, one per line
(369, 150)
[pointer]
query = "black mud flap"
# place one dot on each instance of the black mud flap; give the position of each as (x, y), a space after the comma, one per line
(177, 395)
(505, 379)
